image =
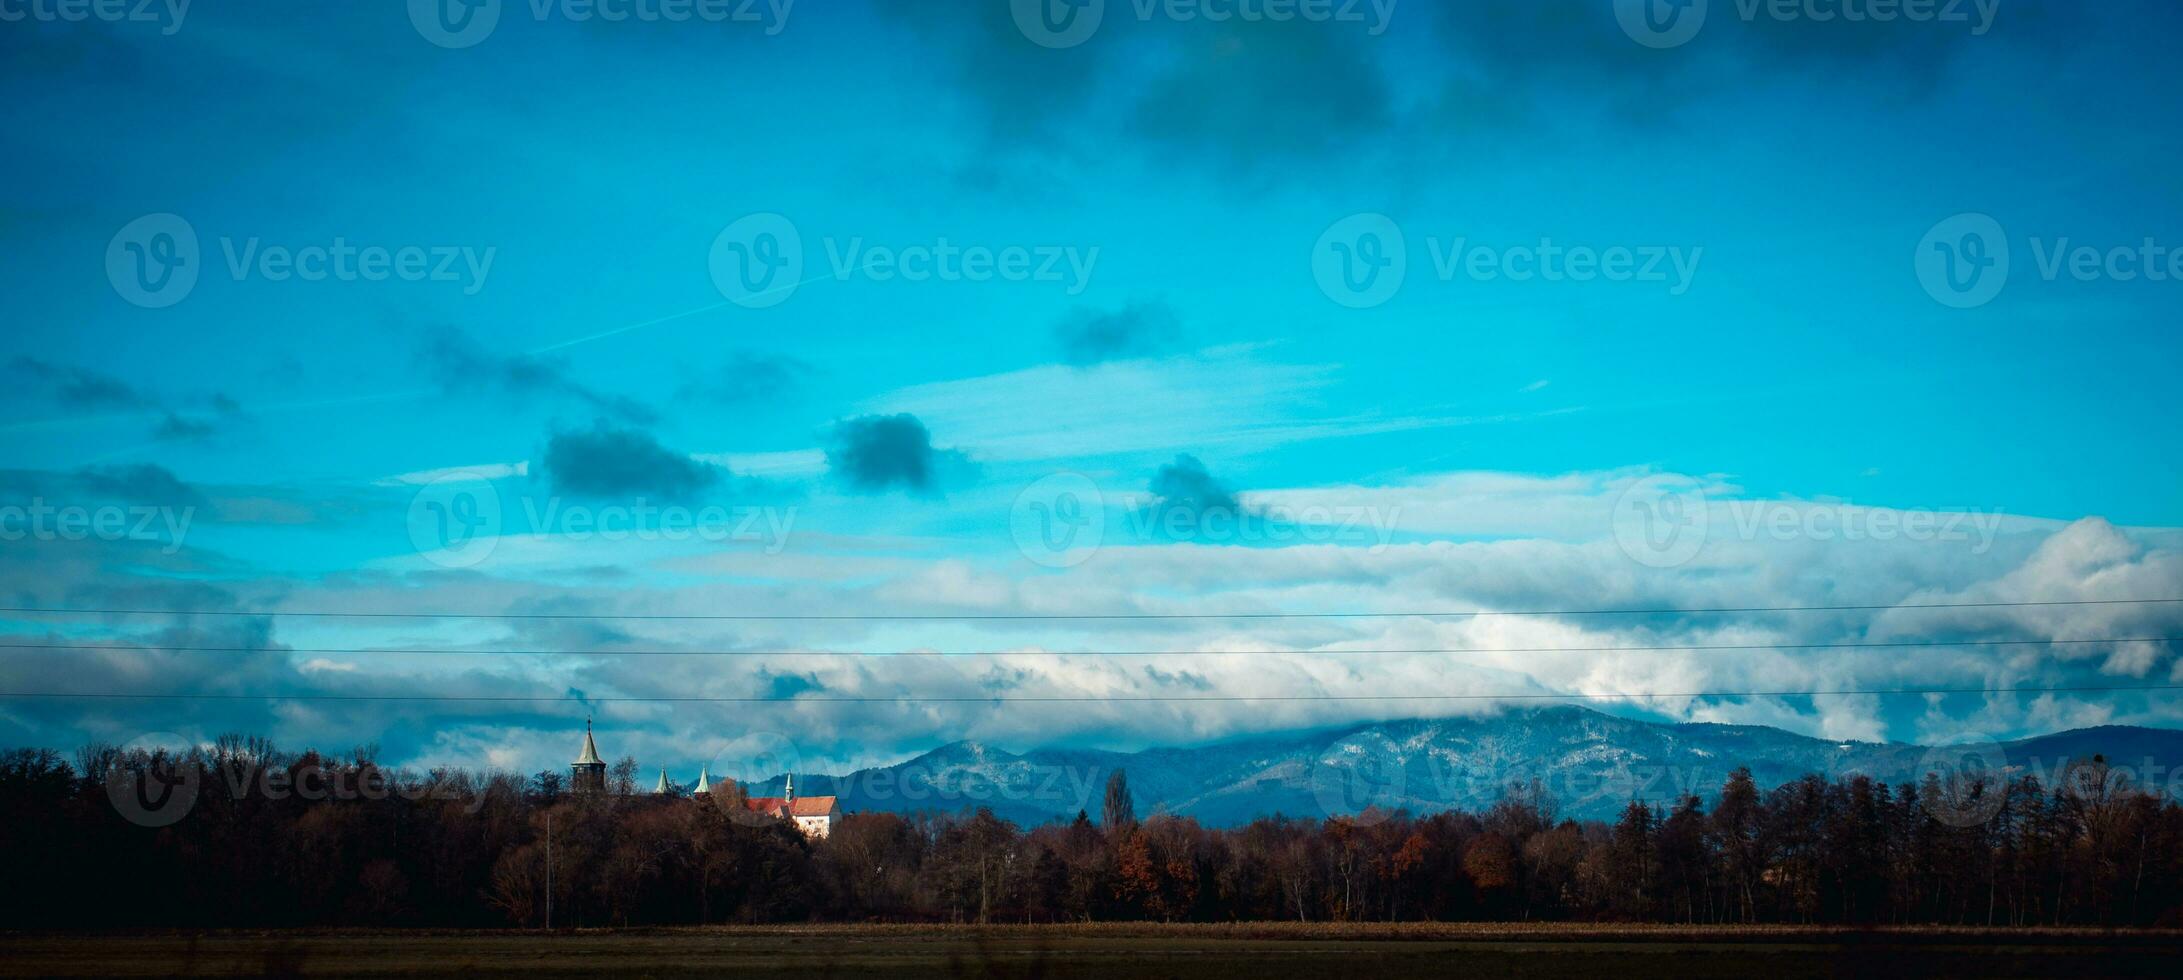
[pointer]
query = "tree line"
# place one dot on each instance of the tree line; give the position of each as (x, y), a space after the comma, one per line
(274, 839)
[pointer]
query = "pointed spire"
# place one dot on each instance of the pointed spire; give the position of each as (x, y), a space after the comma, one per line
(789, 794)
(704, 781)
(664, 788)
(590, 756)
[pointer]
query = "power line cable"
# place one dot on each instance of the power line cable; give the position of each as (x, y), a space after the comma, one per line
(1057, 617)
(1052, 699)
(1664, 648)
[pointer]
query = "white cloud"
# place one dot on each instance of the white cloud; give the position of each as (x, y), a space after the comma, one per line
(1469, 541)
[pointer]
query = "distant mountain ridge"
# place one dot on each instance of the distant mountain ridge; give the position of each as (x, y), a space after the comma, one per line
(1592, 763)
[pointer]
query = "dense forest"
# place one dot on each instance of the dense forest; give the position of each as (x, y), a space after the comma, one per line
(347, 843)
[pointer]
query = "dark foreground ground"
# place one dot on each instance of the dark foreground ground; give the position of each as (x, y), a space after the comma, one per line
(1255, 951)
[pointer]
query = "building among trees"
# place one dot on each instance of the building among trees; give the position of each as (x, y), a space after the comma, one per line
(815, 816)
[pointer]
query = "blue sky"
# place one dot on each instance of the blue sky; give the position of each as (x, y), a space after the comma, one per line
(1258, 437)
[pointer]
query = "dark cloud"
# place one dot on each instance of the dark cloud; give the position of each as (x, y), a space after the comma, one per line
(80, 388)
(1265, 97)
(1519, 60)
(1186, 486)
(1244, 95)
(614, 463)
(141, 483)
(1028, 94)
(178, 428)
(1091, 336)
(748, 376)
(876, 453)
(199, 424)
(464, 367)
(138, 483)
(160, 660)
(1227, 94)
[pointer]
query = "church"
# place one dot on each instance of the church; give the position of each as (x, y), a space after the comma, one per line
(815, 816)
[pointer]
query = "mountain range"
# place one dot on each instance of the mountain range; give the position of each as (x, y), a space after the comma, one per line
(1591, 763)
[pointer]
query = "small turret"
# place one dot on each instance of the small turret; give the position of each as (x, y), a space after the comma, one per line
(704, 782)
(664, 788)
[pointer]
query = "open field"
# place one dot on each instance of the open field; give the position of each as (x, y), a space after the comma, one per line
(1113, 951)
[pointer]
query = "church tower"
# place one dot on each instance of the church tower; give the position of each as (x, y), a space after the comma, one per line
(588, 773)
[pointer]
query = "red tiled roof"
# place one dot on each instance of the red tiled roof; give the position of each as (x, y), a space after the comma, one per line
(803, 806)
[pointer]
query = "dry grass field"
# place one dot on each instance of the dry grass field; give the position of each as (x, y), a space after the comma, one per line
(1253, 951)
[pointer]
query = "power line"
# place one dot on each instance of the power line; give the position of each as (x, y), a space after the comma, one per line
(1059, 617)
(1041, 699)
(1665, 648)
